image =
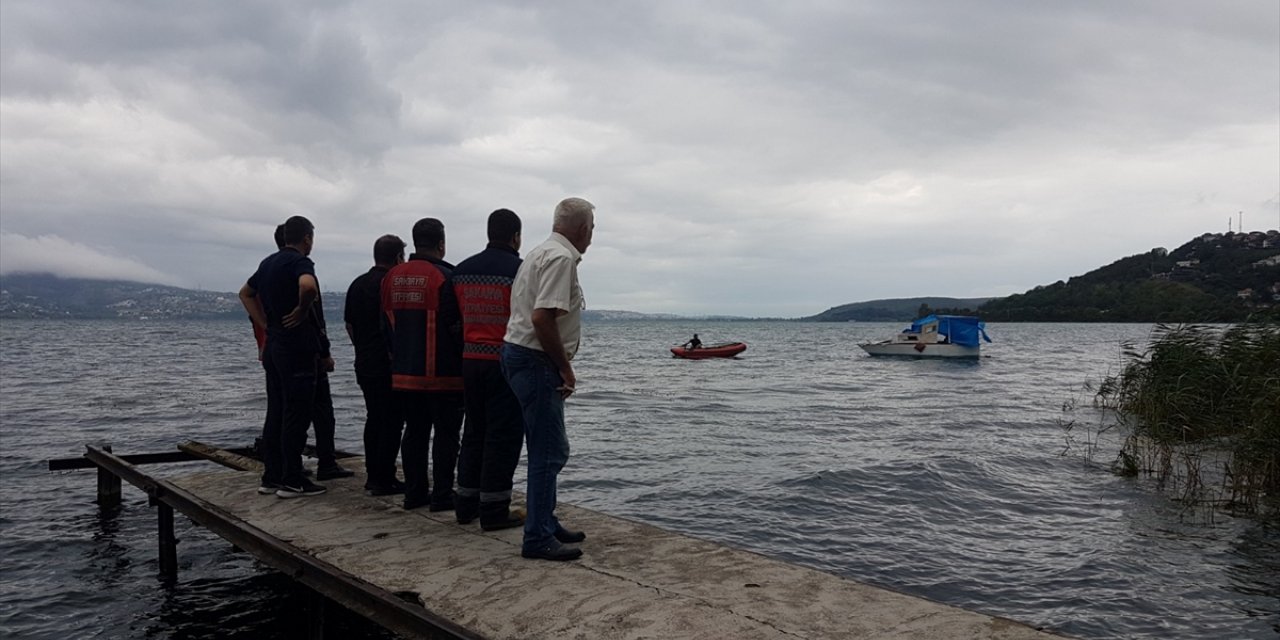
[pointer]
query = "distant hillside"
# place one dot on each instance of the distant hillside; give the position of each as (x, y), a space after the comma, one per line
(1213, 278)
(892, 310)
(41, 295)
(27, 295)
(607, 315)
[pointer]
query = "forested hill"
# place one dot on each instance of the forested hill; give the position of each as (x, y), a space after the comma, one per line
(1214, 278)
(892, 310)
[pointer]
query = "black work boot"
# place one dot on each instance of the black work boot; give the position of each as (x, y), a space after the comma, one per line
(497, 515)
(466, 508)
(442, 501)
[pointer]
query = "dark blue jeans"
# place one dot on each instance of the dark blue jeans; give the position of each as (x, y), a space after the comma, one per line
(533, 379)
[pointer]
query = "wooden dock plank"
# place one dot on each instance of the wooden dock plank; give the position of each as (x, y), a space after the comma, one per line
(634, 582)
(221, 456)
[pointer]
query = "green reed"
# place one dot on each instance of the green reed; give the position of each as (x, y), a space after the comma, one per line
(1202, 407)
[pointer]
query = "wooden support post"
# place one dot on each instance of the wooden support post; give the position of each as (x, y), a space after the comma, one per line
(315, 614)
(168, 543)
(108, 487)
(398, 616)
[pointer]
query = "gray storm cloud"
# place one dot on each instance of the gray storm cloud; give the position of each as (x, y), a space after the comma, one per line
(746, 158)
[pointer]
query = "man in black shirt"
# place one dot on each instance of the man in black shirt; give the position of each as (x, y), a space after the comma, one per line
(383, 417)
(322, 413)
(297, 352)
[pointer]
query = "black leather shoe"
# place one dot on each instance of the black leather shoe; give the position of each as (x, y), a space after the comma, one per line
(557, 554)
(466, 510)
(383, 489)
(498, 524)
(333, 473)
(567, 536)
(414, 503)
(442, 503)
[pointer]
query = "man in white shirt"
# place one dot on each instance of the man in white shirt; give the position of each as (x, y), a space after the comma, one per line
(541, 340)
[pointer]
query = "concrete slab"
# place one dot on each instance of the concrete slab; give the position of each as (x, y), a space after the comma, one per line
(634, 582)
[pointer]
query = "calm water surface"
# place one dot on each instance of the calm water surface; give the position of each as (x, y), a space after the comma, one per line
(939, 479)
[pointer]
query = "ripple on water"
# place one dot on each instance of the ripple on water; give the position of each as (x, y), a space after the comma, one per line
(940, 479)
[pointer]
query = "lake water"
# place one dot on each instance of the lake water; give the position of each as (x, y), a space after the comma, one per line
(938, 479)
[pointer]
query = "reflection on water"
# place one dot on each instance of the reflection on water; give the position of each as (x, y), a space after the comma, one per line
(937, 478)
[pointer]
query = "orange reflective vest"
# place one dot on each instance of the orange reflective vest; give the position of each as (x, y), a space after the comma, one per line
(426, 354)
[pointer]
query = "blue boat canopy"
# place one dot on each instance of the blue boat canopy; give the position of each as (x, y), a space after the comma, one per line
(961, 330)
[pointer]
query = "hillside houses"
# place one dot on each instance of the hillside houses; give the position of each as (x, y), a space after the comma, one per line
(1269, 239)
(1240, 265)
(1267, 262)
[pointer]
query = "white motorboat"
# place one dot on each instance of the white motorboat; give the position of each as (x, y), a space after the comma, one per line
(935, 337)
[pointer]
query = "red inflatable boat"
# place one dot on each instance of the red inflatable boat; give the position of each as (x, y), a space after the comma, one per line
(726, 350)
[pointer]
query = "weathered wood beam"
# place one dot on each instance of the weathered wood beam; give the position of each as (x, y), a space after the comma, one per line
(223, 457)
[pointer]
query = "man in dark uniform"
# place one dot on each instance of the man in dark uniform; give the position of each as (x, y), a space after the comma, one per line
(297, 351)
(494, 433)
(383, 419)
(322, 414)
(426, 367)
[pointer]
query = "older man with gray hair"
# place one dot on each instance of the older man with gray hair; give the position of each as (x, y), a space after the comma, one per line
(541, 340)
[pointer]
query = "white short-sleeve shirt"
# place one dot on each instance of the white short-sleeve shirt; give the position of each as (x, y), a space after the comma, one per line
(547, 279)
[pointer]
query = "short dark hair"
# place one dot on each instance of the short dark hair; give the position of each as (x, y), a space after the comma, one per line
(279, 236)
(386, 249)
(504, 224)
(428, 233)
(296, 229)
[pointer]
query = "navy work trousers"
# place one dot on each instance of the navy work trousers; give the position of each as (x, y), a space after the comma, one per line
(424, 413)
(493, 435)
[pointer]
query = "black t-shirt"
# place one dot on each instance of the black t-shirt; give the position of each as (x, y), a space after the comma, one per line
(364, 313)
(276, 282)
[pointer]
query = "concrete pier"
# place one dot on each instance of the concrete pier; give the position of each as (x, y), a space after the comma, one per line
(634, 582)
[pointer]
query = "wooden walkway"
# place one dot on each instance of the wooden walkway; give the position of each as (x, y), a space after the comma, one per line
(634, 581)
(423, 575)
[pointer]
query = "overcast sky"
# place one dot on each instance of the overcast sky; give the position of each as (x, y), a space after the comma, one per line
(746, 158)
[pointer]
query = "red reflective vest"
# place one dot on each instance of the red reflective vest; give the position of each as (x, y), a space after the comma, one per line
(425, 355)
(482, 285)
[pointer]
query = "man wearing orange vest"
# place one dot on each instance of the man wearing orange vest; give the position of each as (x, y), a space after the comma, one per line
(426, 367)
(494, 432)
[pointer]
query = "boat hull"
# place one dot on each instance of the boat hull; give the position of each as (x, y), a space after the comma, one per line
(921, 350)
(715, 351)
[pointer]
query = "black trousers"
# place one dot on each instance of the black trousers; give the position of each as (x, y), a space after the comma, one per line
(294, 400)
(423, 413)
(323, 421)
(383, 423)
(272, 470)
(493, 436)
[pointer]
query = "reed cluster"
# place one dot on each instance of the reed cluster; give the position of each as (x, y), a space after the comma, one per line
(1202, 410)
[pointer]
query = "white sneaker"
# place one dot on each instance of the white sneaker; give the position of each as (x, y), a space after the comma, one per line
(306, 489)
